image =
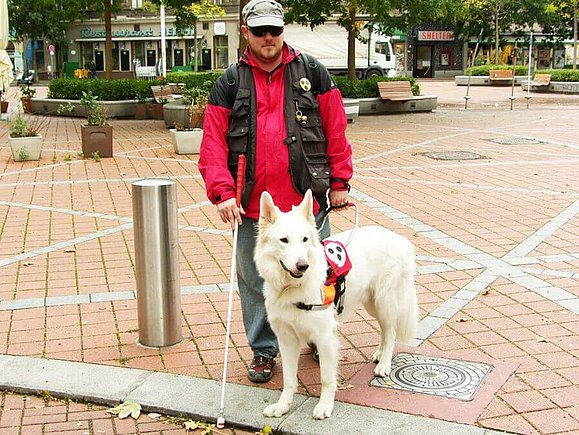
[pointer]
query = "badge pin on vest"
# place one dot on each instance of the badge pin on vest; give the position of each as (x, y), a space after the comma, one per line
(305, 84)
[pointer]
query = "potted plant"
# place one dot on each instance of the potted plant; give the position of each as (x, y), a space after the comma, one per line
(97, 133)
(27, 93)
(187, 135)
(24, 138)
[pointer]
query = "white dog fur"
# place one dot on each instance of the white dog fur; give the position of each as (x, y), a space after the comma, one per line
(290, 258)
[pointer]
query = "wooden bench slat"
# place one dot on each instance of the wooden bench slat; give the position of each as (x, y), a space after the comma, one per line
(501, 74)
(399, 90)
(541, 80)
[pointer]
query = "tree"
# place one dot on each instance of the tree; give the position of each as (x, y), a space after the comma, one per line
(355, 15)
(45, 19)
(499, 15)
(187, 13)
(559, 17)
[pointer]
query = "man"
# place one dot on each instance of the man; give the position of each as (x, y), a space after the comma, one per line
(290, 144)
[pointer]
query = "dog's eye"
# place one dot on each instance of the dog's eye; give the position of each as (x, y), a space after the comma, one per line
(305, 239)
(283, 240)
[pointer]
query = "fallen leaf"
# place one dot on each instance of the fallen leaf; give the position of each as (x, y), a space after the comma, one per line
(125, 409)
(27, 263)
(79, 424)
(462, 319)
(543, 340)
(154, 416)
(345, 386)
(190, 425)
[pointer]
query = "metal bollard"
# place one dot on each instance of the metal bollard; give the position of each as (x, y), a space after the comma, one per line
(157, 261)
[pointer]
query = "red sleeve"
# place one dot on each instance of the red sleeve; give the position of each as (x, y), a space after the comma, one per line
(338, 148)
(219, 183)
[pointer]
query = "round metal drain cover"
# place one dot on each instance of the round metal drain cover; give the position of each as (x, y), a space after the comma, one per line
(436, 376)
(516, 141)
(452, 155)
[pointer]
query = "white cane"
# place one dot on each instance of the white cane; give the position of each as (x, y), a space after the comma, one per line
(239, 190)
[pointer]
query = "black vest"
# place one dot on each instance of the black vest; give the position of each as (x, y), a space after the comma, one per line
(308, 160)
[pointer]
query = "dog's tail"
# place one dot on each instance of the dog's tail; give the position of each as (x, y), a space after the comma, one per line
(407, 312)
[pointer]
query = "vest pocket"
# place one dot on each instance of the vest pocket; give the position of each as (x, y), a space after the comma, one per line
(317, 174)
(237, 140)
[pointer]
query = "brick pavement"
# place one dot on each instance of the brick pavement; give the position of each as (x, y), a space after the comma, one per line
(496, 241)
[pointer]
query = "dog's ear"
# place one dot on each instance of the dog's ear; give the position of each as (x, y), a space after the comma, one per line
(307, 206)
(267, 209)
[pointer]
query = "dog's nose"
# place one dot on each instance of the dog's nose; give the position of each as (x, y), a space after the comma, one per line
(302, 266)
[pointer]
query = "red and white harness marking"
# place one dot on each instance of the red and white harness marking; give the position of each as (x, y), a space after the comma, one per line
(334, 287)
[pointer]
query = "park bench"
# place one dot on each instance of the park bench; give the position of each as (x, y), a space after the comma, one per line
(541, 80)
(399, 90)
(162, 94)
(501, 76)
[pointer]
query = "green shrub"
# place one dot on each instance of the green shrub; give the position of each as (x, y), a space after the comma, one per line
(107, 90)
(190, 80)
(368, 88)
(483, 70)
(125, 89)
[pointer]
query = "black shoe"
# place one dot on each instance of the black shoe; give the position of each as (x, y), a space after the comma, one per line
(315, 354)
(261, 369)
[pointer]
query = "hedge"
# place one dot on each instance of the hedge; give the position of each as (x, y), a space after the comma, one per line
(557, 75)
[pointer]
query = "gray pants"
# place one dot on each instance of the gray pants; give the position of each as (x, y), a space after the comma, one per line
(260, 336)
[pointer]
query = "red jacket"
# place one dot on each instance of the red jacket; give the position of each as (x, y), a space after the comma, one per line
(272, 158)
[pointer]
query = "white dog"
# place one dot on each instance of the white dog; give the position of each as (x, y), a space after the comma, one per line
(290, 258)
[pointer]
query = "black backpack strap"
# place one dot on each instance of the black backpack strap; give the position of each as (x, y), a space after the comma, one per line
(232, 81)
(312, 72)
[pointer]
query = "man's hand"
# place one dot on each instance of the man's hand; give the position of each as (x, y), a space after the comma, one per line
(339, 198)
(229, 212)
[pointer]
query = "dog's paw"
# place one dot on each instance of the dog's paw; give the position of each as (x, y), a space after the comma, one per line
(376, 357)
(382, 369)
(276, 410)
(323, 410)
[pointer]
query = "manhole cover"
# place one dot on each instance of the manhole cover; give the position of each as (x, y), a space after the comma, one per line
(437, 376)
(452, 155)
(516, 141)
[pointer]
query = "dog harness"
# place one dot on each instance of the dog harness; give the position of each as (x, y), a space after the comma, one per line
(334, 287)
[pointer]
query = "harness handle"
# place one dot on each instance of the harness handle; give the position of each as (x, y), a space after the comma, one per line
(326, 212)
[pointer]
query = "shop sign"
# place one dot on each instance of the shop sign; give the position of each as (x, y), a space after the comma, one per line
(435, 35)
(88, 32)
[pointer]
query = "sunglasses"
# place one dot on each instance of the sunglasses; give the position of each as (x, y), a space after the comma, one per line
(263, 30)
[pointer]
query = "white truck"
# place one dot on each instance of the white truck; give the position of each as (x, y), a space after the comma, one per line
(329, 44)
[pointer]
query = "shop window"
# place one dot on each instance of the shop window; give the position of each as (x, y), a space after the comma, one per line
(221, 51)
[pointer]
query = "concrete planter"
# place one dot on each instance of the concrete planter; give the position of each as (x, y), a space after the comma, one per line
(485, 81)
(186, 141)
(554, 87)
(97, 139)
(376, 106)
(115, 109)
(148, 111)
(25, 148)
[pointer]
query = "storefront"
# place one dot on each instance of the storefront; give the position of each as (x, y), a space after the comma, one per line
(434, 52)
(138, 44)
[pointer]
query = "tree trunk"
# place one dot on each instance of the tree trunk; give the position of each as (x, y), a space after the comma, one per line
(575, 12)
(352, 43)
(108, 40)
(497, 37)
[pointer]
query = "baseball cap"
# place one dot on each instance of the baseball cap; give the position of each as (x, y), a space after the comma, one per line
(263, 13)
